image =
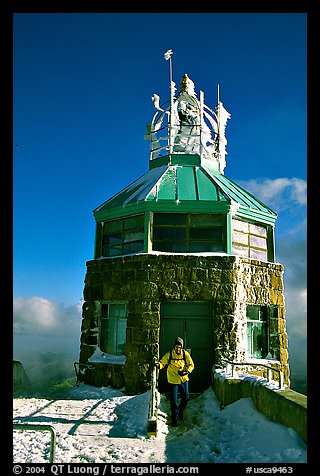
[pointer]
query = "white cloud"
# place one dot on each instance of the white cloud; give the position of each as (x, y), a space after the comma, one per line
(40, 316)
(280, 193)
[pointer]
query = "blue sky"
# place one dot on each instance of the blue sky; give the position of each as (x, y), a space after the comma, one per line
(82, 85)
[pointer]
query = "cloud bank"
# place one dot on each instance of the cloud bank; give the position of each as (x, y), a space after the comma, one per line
(280, 193)
(46, 338)
(40, 316)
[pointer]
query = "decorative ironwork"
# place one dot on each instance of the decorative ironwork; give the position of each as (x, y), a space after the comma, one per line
(186, 125)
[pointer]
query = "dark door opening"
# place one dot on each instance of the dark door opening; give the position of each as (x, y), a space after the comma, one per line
(193, 321)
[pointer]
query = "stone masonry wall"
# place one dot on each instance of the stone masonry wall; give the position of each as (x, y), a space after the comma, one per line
(144, 281)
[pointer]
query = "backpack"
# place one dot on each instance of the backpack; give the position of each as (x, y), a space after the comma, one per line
(184, 357)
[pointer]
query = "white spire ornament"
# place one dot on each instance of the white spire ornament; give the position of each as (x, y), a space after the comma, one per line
(192, 127)
(223, 117)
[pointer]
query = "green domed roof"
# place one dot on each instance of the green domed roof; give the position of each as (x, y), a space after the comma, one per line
(184, 183)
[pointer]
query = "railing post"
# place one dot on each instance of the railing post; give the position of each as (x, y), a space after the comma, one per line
(230, 368)
(269, 374)
(152, 418)
(280, 379)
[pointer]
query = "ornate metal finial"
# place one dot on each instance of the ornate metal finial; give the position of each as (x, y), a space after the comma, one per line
(188, 125)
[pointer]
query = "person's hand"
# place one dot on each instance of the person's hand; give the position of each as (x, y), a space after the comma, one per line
(183, 372)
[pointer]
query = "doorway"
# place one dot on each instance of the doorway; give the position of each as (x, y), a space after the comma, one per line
(193, 321)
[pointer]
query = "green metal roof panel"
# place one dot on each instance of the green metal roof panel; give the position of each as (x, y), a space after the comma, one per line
(197, 185)
(205, 189)
(134, 192)
(186, 185)
(166, 187)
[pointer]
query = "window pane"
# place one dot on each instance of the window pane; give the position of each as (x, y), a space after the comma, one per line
(257, 254)
(111, 239)
(240, 250)
(262, 342)
(113, 251)
(258, 242)
(121, 341)
(256, 340)
(117, 310)
(113, 328)
(134, 222)
(190, 229)
(170, 219)
(133, 235)
(257, 331)
(263, 313)
(206, 234)
(133, 247)
(203, 246)
(104, 327)
(169, 234)
(111, 336)
(258, 230)
(249, 336)
(240, 225)
(200, 234)
(169, 246)
(114, 235)
(240, 237)
(112, 226)
(205, 220)
(253, 313)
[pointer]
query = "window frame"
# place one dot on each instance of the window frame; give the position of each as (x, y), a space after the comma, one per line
(104, 323)
(246, 246)
(185, 244)
(265, 333)
(123, 242)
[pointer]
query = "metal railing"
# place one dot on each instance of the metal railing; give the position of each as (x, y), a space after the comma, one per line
(29, 426)
(77, 366)
(230, 368)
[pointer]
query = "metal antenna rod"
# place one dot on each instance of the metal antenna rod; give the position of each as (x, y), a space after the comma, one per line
(218, 121)
(167, 56)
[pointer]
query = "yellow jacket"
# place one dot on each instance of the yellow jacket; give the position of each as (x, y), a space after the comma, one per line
(177, 363)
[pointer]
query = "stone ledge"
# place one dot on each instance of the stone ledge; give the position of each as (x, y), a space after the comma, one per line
(282, 406)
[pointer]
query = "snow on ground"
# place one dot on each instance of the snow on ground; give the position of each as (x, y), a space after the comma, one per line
(97, 425)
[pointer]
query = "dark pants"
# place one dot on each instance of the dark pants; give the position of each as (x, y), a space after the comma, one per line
(181, 389)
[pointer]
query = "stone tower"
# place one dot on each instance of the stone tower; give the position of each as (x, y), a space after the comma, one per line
(184, 251)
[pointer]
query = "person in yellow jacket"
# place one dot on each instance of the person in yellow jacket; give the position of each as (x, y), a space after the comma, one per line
(179, 365)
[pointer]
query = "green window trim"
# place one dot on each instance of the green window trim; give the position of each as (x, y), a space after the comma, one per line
(252, 240)
(123, 236)
(113, 328)
(189, 232)
(258, 341)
